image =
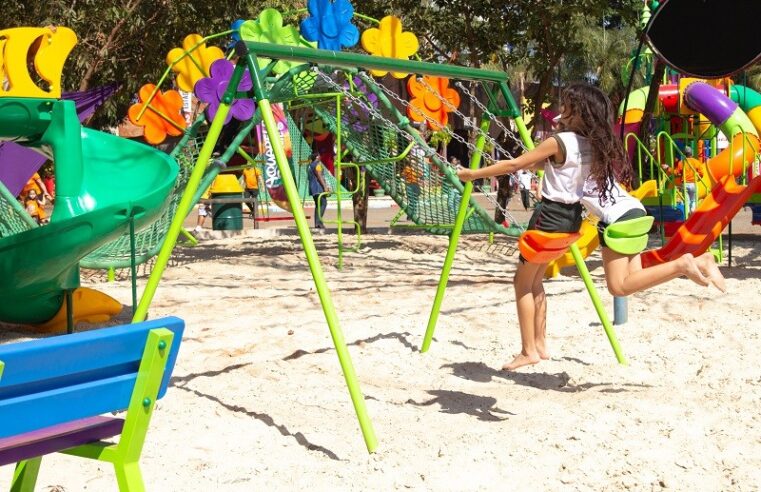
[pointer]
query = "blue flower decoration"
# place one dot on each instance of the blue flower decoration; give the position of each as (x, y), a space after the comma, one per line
(235, 26)
(329, 23)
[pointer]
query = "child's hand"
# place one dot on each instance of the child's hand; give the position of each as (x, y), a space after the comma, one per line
(464, 174)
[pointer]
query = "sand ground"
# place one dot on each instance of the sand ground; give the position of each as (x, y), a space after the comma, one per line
(258, 400)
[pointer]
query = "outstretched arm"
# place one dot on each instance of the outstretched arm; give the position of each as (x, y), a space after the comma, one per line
(546, 149)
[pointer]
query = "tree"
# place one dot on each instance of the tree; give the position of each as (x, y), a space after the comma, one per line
(127, 42)
(549, 32)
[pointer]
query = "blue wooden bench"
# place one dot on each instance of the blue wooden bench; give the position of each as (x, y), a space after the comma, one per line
(54, 392)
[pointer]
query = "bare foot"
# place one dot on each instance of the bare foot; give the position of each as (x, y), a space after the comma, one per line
(541, 349)
(710, 269)
(690, 269)
(521, 360)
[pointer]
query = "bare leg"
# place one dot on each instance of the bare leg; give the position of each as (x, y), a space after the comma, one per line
(625, 275)
(710, 269)
(540, 313)
(523, 282)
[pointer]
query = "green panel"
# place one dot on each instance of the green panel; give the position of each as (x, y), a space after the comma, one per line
(746, 97)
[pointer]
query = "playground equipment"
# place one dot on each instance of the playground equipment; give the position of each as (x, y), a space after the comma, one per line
(724, 57)
(104, 185)
(369, 131)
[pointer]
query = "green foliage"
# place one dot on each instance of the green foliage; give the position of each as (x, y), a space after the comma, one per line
(127, 42)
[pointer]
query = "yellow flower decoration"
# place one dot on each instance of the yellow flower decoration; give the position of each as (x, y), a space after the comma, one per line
(388, 40)
(428, 105)
(196, 65)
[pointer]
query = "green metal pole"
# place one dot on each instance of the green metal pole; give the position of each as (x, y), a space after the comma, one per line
(186, 202)
(69, 297)
(191, 238)
(523, 131)
(354, 60)
(475, 161)
(339, 218)
(311, 253)
(132, 262)
(609, 331)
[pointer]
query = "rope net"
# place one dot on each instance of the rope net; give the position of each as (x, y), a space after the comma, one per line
(411, 172)
(116, 254)
(13, 217)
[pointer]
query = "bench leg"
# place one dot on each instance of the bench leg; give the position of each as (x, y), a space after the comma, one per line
(25, 476)
(129, 477)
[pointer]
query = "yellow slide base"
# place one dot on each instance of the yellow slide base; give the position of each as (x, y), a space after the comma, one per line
(90, 306)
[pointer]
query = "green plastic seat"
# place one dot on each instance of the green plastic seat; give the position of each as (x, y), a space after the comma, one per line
(628, 237)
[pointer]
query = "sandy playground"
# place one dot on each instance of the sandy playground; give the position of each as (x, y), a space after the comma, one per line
(258, 400)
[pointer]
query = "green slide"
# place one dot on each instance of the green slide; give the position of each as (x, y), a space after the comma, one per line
(102, 182)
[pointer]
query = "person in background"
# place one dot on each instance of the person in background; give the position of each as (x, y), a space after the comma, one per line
(317, 188)
(251, 190)
(33, 206)
(524, 182)
(203, 212)
(49, 181)
(35, 183)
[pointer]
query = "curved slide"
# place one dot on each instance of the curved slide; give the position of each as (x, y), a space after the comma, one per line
(727, 197)
(103, 182)
(589, 241)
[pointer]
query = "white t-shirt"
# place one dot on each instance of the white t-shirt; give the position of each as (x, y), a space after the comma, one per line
(524, 180)
(616, 205)
(564, 182)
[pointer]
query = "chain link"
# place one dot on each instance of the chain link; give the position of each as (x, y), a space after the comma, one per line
(492, 199)
(508, 132)
(459, 113)
(368, 107)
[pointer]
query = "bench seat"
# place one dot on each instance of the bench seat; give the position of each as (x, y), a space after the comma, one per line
(57, 438)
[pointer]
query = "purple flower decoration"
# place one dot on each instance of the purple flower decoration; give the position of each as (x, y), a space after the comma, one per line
(359, 112)
(211, 90)
(329, 23)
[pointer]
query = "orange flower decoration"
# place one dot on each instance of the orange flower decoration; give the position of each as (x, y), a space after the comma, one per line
(430, 103)
(196, 65)
(388, 40)
(162, 117)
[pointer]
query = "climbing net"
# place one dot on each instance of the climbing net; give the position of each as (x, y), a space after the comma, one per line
(378, 137)
(117, 253)
(13, 218)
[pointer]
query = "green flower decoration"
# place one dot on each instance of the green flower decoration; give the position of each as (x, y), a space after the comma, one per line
(269, 28)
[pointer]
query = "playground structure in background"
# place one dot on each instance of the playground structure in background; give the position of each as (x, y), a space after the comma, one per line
(39, 266)
(690, 112)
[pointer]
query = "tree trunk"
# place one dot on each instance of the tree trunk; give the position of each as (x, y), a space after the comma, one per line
(503, 197)
(359, 200)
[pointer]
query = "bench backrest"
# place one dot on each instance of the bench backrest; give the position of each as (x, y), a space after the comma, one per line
(55, 380)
